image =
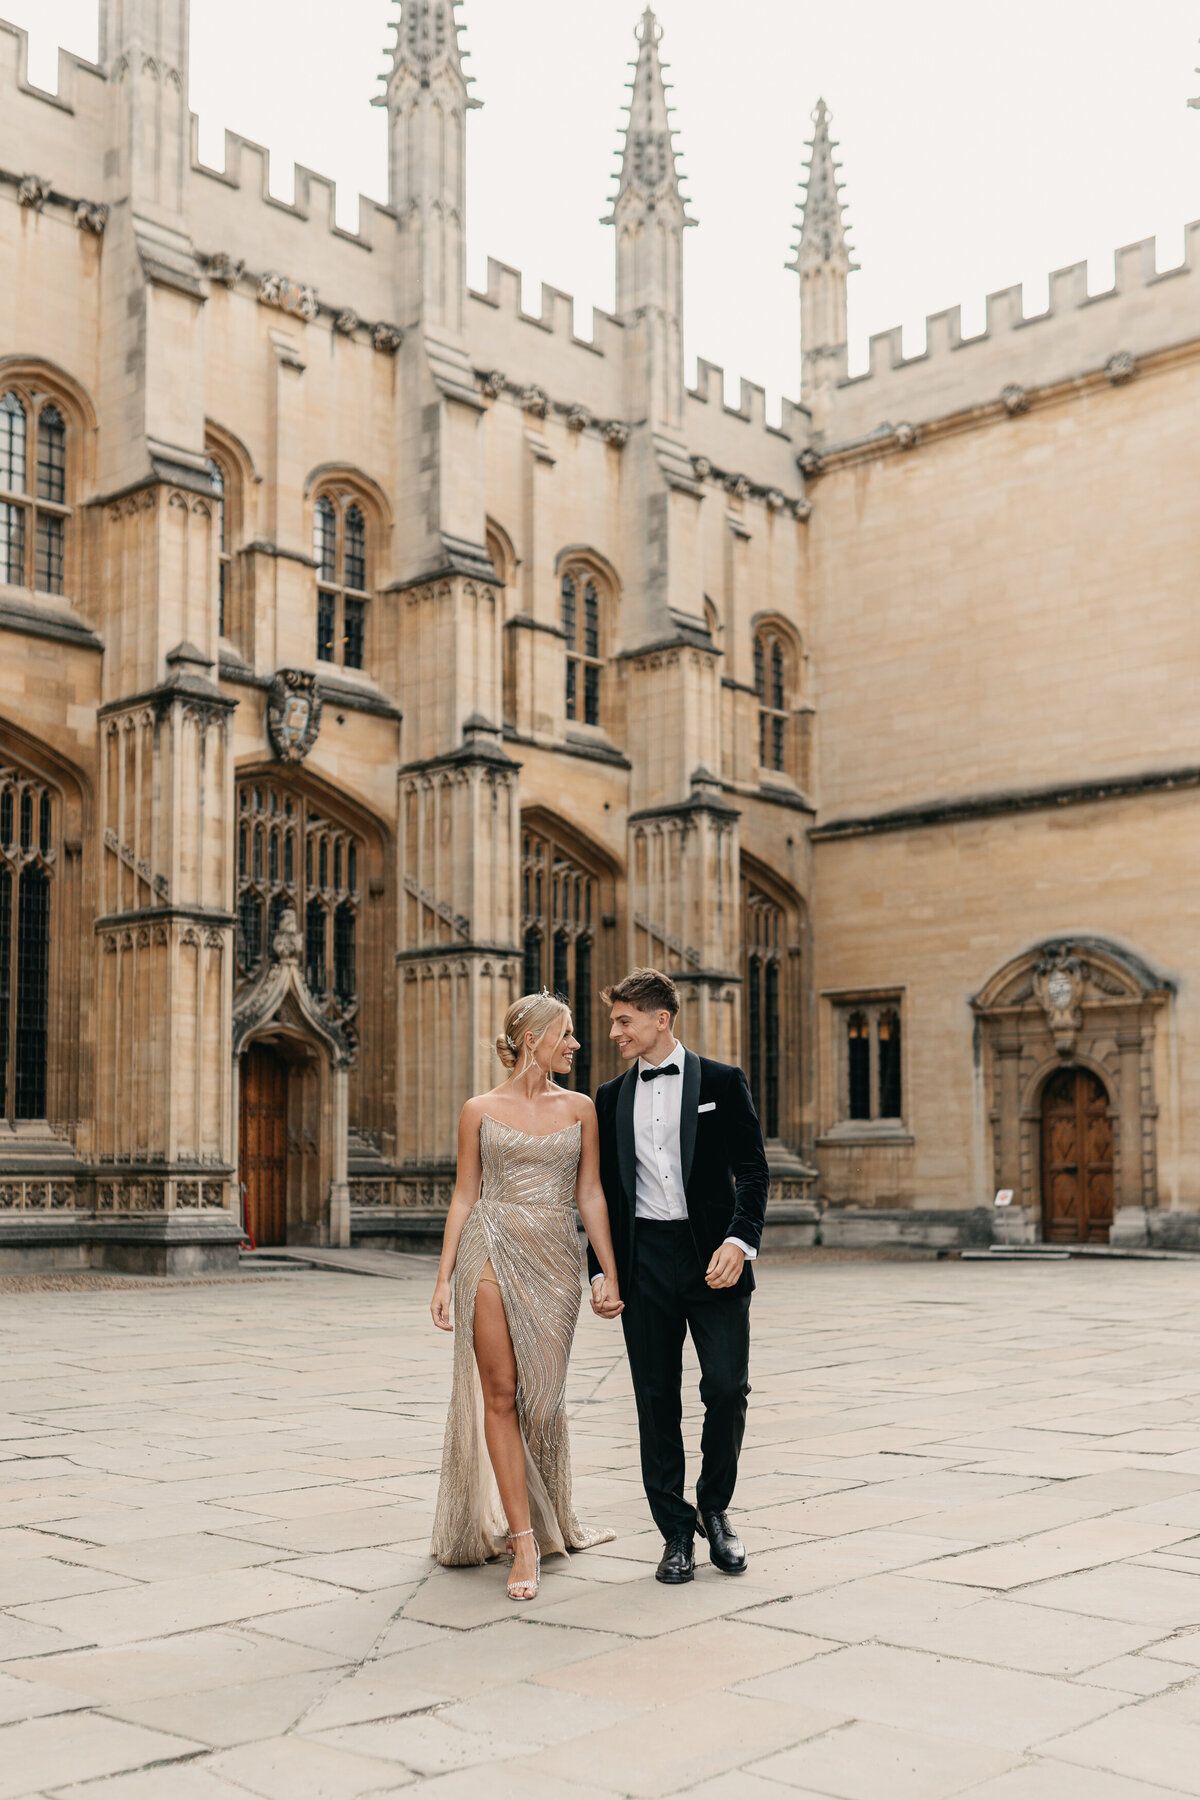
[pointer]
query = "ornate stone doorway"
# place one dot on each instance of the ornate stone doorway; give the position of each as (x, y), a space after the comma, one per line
(1077, 1159)
(1066, 1037)
(263, 1144)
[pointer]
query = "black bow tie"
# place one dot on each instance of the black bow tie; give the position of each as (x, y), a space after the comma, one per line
(664, 1069)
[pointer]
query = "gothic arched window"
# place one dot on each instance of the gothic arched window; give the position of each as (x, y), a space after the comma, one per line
(764, 938)
(34, 509)
(290, 854)
(561, 923)
(216, 473)
(340, 551)
(28, 855)
(870, 1057)
(581, 615)
(773, 680)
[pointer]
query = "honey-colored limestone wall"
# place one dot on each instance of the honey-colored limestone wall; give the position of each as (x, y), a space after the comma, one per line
(1011, 606)
(933, 915)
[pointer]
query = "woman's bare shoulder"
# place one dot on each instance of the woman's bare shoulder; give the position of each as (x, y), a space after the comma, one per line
(582, 1106)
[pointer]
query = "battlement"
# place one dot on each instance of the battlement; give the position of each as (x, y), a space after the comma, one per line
(1146, 309)
(14, 70)
(248, 165)
(543, 349)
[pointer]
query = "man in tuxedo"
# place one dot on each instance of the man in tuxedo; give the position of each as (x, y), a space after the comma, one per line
(685, 1177)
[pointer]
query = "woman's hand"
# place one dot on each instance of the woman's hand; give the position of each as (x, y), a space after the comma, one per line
(440, 1305)
(606, 1298)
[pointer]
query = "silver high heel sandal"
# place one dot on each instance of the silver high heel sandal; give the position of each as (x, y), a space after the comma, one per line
(524, 1590)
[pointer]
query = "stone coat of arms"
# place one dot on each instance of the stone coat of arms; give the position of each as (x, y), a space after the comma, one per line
(293, 714)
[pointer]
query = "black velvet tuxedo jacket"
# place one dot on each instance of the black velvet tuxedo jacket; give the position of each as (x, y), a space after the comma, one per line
(725, 1177)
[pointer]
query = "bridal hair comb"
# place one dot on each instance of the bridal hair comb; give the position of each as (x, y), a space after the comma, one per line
(528, 1007)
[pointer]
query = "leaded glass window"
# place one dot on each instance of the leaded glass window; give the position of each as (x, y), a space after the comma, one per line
(560, 905)
(340, 552)
(580, 611)
(763, 931)
(292, 855)
(771, 684)
(872, 1081)
(33, 518)
(28, 861)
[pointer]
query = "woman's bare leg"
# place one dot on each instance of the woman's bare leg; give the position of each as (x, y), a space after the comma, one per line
(497, 1365)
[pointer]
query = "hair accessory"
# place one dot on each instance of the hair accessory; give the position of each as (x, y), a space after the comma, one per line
(528, 1007)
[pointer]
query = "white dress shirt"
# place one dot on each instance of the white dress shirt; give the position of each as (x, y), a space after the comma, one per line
(659, 1169)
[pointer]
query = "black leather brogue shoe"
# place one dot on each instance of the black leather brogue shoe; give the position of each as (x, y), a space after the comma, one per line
(726, 1550)
(678, 1560)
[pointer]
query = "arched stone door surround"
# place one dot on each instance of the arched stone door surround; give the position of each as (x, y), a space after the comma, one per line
(276, 1009)
(1078, 1001)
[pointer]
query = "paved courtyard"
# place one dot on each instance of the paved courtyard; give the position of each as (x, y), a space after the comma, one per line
(971, 1497)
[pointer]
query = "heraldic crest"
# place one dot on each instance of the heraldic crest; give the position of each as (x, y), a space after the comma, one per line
(293, 714)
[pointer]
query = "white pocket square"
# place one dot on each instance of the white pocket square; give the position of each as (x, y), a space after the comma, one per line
(708, 1106)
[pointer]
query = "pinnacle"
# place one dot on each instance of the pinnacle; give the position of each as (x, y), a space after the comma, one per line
(648, 165)
(822, 228)
(426, 39)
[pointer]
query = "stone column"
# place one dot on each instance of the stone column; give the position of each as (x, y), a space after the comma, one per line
(1130, 1226)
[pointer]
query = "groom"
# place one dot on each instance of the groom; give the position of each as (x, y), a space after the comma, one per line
(685, 1177)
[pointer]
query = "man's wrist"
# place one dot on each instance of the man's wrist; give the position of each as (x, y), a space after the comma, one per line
(747, 1250)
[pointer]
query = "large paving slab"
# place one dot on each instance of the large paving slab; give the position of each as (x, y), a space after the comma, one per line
(971, 1497)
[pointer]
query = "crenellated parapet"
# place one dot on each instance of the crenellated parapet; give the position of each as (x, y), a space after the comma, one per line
(1147, 310)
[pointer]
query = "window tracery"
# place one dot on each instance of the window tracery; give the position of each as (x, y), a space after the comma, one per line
(29, 828)
(871, 1085)
(560, 920)
(340, 551)
(773, 678)
(34, 498)
(581, 609)
(292, 854)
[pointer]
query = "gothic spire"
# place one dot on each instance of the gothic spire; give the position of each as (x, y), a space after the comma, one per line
(648, 166)
(822, 228)
(822, 261)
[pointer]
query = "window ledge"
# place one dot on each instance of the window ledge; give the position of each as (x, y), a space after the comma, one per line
(862, 1132)
(45, 616)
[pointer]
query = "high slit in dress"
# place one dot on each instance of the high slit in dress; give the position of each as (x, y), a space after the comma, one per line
(523, 1224)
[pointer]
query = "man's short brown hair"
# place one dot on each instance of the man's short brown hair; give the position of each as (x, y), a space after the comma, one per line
(649, 990)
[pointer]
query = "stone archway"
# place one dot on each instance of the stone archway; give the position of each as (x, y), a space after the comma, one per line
(277, 1012)
(1071, 1003)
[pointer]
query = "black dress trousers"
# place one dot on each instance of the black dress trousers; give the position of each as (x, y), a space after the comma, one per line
(669, 1297)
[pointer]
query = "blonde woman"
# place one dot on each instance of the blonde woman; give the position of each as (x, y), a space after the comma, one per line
(528, 1154)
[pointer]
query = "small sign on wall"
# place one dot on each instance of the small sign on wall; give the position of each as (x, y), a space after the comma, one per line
(1004, 1197)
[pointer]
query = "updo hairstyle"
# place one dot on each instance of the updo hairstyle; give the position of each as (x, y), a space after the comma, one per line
(532, 1012)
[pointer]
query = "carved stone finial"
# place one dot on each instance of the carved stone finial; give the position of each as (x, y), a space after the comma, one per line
(387, 338)
(34, 191)
(1121, 366)
(1058, 983)
(287, 943)
(226, 269)
(1014, 399)
(91, 216)
(293, 714)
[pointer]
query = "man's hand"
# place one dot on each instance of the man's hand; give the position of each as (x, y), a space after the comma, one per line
(725, 1269)
(606, 1298)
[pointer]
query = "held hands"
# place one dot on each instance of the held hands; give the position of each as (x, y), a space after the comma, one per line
(606, 1298)
(725, 1269)
(440, 1306)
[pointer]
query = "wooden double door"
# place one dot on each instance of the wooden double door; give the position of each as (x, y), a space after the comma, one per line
(1077, 1159)
(262, 1140)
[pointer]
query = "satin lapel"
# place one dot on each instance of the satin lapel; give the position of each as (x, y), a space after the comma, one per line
(689, 1101)
(626, 1150)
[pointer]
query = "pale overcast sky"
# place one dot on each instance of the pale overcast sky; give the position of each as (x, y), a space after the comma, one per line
(981, 145)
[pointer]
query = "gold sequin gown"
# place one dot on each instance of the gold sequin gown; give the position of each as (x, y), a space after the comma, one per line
(524, 1223)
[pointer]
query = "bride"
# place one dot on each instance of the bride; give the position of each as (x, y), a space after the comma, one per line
(528, 1154)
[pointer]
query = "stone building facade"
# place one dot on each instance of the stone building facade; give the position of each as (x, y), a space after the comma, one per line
(375, 651)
